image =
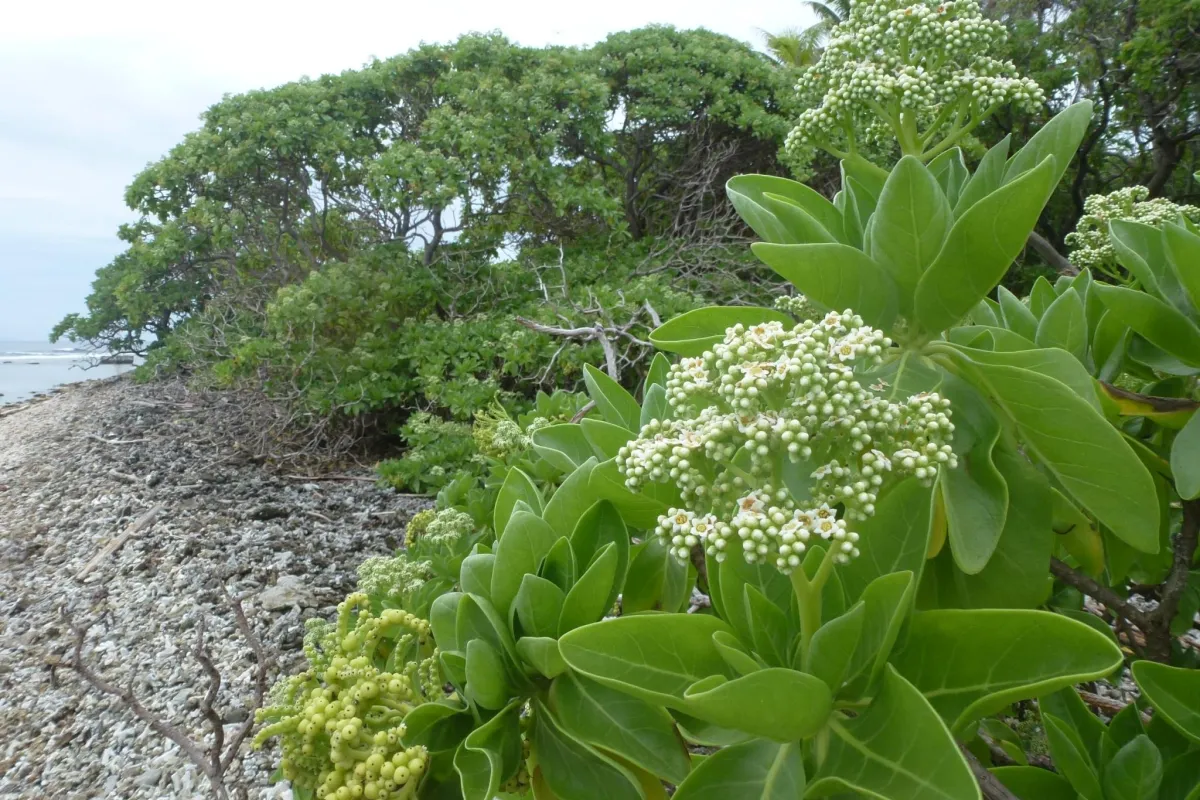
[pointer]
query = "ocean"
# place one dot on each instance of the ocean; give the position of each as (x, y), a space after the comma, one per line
(31, 368)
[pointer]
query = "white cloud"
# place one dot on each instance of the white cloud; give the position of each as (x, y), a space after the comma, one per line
(91, 92)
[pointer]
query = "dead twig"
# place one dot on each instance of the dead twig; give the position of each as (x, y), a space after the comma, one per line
(136, 527)
(102, 440)
(314, 478)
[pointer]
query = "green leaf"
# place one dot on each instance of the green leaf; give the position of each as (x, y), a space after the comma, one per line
(1174, 692)
(1064, 325)
(1083, 451)
(640, 509)
(980, 247)
(588, 599)
(490, 754)
(909, 225)
(538, 606)
(542, 652)
(971, 664)
(604, 437)
(1142, 249)
(833, 646)
(950, 171)
(734, 654)
(563, 445)
(517, 486)
(617, 722)
(1185, 459)
(1181, 778)
(1060, 137)
(1126, 725)
(616, 405)
(1017, 574)
(887, 600)
(751, 703)
(654, 657)
(1017, 316)
(1183, 252)
(802, 227)
(573, 770)
(487, 682)
(987, 178)
(1071, 758)
(975, 495)
(656, 375)
(1109, 344)
(896, 749)
(655, 406)
(771, 633)
(1041, 296)
(438, 726)
(599, 526)
(475, 574)
(734, 575)
(657, 581)
(837, 276)
(693, 332)
(1035, 783)
(477, 619)
(559, 566)
(1049, 362)
(519, 550)
(572, 499)
(1159, 323)
(746, 192)
(894, 540)
(756, 770)
(1068, 707)
(443, 620)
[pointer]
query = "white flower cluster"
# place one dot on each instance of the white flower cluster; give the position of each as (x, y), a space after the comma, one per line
(797, 305)
(926, 58)
(774, 443)
(1090, 245)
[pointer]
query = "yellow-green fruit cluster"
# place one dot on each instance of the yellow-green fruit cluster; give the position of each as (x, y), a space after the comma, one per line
(340, 723)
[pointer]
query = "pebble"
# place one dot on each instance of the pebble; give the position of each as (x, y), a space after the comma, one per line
(67, 498)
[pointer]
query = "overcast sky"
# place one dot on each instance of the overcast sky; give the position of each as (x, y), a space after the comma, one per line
(91, 92)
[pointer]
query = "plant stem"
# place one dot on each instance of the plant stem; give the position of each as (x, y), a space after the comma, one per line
(808, 597)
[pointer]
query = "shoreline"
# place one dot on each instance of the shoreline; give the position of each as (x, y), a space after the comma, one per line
(130, 508)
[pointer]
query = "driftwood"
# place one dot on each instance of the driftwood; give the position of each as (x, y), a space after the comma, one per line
(136, 527)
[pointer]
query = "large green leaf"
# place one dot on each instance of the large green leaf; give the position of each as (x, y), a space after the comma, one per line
(987, 178)
(599, 526)
(656, 581)
(1064, 325)
(1183, 252)
(833, 646)
(693, 332)
(1072, 758)
(655, 657)
(896, 749)
(620, 723)
(639, 509)
(588, 599)
(487, 678)
(950, 171)
(573, 770)
(563, 445)
(980, 247)
(802, 226)
(1135, 772)
(894, 540)
(1156, 321)
(490, 755)
(1142, 249)
(975, 495)
(542, 652)
(1060, 137)
(1174, 692)
(538, 606)
(887, 601)
(1017, 574)
(517, 486)
(572, 500)
(521, 547)
(972, 663)
(1181, 778)
(1049, 362)
(605, 438)
(756, 770)
(1087, 455)
(837, 276)
(1017, 316)
(616, 405)
(909, 225)
(747, 193)
(1035, 783)
(751, 703)
(1185, 459)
